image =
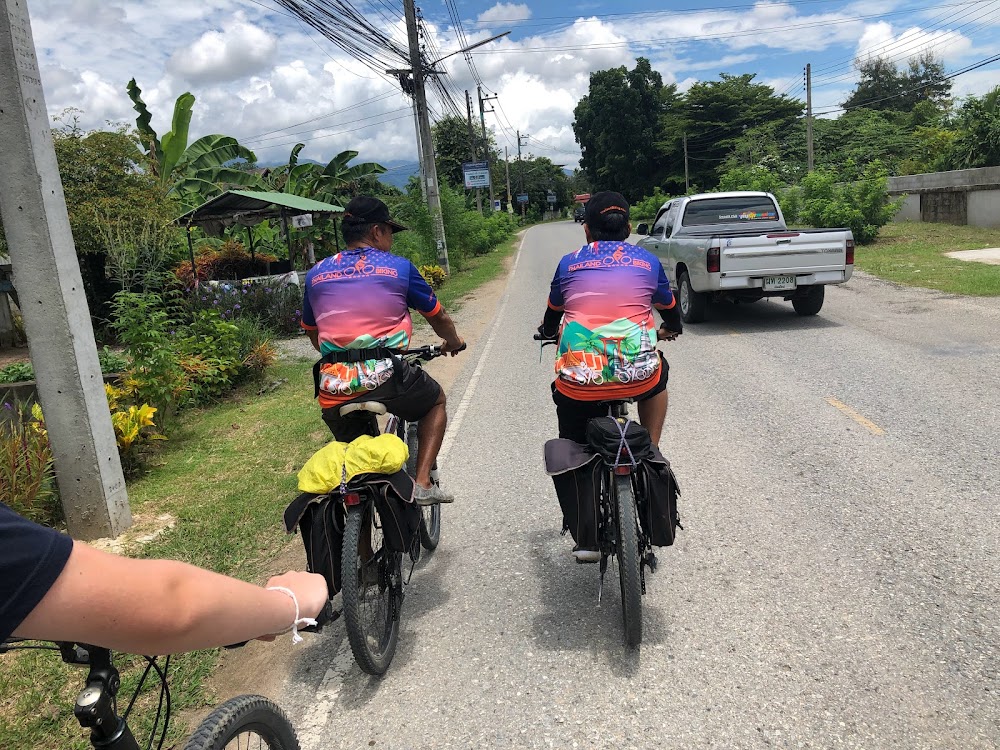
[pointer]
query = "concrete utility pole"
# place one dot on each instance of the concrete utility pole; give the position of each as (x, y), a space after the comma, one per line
(47, 276)
(809, 117)
(472, 147)
(486, 140)
(687, 180)
(428, 166)
(520, 167)
(506, 162)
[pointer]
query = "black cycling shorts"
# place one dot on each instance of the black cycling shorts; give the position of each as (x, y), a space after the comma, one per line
(573, 415)
(409, 394)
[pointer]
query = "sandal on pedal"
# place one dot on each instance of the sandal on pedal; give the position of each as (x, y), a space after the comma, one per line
(432, 496)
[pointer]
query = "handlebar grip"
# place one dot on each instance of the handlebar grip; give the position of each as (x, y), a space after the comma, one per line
(326, 615)
(462, 348)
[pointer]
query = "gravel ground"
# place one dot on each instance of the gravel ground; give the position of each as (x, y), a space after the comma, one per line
(837, 583)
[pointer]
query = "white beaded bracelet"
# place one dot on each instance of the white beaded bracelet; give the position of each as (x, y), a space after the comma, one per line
(299, 621)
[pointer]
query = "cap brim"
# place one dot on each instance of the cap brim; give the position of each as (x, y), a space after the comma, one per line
(396, 226)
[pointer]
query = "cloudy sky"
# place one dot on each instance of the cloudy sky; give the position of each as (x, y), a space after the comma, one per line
(262, 75)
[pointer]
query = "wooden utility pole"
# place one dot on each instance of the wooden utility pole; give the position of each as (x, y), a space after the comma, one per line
(428, 166)
(809, 117)
(472, 147)
(506, 162)
(47, 276)
(520, 169)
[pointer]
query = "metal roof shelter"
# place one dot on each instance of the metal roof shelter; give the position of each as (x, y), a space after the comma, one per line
(248, 208)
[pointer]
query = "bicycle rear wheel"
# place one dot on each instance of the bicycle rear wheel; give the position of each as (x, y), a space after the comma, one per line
(245, 721)
(430, 515)
(372, 589)
(627, 542)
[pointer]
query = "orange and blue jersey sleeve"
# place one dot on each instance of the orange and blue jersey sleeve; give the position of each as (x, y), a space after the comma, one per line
(556, 300)
(308, 320)
(663, 298)
(420, 296)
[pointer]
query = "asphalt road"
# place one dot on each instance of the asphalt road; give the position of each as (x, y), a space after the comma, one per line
(837, 583)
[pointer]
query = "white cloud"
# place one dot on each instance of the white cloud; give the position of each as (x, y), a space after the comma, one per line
(505, 12)
(880, 40)
(239, 50)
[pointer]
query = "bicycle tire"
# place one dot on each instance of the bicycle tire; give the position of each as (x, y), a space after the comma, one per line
(430, 515)
(245, 714)
(627, 539)
(373, 644)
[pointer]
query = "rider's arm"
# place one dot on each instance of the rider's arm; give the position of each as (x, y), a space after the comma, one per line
(554, 309)
(162, 606)
(421, 298)
(666, 304)
(56, 589)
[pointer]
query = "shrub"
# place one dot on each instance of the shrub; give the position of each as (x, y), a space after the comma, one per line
(863, 206)
(647, 208)
(110, 362)
(26, 482)
(434, 275)
(135, 430)
(256, 347)
(277, 307)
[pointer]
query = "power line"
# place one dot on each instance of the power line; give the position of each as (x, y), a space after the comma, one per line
(341, 132)
(263, 141)
(323, 116)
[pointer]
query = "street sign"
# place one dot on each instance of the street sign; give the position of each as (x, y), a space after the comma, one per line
(522, 198)
(302, 220)
(476, 174)
(496, 205)
(551, 197)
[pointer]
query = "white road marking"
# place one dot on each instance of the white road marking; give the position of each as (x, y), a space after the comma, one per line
(470, 391)
(311, 728)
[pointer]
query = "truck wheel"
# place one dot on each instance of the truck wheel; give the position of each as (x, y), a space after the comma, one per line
(692, 303)
(811, 303)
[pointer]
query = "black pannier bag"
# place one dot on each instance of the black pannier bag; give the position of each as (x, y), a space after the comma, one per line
(605, 436)
(320, 520)
(657, 506)
(577, 473)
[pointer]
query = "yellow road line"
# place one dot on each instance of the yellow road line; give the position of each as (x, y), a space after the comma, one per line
(859, 418)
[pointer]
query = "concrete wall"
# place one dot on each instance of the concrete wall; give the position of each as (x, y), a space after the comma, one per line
(965, 196)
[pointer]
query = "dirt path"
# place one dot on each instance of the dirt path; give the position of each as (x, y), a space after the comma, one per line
(263, 667)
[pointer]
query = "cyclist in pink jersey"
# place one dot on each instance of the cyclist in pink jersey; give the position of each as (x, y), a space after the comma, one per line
(357, 313)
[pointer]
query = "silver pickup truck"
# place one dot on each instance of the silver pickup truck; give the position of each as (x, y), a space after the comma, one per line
(736, 246)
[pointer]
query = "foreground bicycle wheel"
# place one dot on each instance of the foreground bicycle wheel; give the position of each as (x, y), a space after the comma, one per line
(372, 589)
(243, 722)
(430, 515)
(627, 541)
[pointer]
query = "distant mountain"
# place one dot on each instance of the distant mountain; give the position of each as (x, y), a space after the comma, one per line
(398, 172)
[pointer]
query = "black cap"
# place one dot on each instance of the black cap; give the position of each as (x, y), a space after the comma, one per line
(367, 210)
(603, 205)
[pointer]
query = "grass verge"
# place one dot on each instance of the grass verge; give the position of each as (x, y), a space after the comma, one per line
(914, 253)
(225, 475)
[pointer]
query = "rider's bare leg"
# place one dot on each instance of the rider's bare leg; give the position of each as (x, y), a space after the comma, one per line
(652, 415)
(430, 430)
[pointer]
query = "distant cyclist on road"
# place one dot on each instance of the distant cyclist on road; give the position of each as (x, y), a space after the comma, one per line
(604, 294)
(357, 314)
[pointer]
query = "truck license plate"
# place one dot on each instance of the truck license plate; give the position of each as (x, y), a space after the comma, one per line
(778, 283)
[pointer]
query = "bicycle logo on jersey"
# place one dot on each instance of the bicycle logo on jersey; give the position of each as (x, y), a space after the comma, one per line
(619, 258)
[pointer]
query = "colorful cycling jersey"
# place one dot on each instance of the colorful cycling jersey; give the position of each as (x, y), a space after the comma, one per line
(360, 299)
(607, 344)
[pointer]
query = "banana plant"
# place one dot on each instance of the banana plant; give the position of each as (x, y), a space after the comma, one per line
(323, 183)
(195, 172)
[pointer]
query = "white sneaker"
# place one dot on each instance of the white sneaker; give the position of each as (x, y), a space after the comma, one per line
(587, 555)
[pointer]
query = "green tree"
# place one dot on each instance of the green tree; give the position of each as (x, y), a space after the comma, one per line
(977, 133)
(726, 117)
(883, 86)
(193, 173)
(452, 148)
(616, 124)
(540, 177)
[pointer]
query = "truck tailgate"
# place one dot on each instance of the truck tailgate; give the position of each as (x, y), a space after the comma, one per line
(783, 253)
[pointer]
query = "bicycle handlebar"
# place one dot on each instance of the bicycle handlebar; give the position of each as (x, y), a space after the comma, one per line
(427, 353)
(326, 615)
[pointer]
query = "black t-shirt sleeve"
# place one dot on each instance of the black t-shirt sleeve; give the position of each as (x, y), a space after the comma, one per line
(31, 559)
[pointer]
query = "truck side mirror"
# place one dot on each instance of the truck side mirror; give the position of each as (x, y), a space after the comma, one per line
(642, 229)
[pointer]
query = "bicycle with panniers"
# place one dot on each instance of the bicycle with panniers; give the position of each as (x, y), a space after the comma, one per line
(619, 491)
(357, 533)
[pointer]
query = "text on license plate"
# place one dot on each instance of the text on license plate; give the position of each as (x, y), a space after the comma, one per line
(778, 283)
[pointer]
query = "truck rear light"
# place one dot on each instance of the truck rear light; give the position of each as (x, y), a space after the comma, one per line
(850, 252)
(713, 260)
